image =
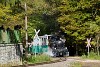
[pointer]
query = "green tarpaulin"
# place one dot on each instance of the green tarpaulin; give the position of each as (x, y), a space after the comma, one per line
(38, 49)
(9, 36)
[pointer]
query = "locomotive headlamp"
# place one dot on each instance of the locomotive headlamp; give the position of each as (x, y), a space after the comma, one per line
(66, 48)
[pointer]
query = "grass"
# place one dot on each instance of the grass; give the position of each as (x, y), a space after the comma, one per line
(31, 60)
(39, 58)
(76, 64)
(92, 56)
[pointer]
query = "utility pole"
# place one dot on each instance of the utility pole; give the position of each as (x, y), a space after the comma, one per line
(26, 35)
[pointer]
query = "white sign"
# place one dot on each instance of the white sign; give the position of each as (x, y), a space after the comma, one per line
(88, 44)
(36, 39)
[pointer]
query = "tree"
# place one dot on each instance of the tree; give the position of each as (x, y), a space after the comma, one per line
(9, 18)
(79, 19)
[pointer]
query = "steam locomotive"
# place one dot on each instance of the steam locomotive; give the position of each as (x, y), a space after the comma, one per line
(57, 44)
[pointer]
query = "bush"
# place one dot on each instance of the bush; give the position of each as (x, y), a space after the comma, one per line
(38, 58)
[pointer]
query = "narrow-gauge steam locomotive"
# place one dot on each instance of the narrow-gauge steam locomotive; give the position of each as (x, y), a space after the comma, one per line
(57, 44)
(53, 45)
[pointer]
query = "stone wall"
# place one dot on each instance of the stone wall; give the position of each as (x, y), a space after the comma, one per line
(10, 54)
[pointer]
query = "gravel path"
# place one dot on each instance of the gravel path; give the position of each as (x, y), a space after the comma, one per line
(58, 64)
(70, 60)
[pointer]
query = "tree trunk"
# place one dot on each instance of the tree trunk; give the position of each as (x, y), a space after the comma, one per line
(98, 46)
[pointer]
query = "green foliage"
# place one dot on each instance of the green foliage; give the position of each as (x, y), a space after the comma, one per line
(38, 59)
(7, 17)
(12, 13)
(78, 19)
(41, 18)
(9, 2)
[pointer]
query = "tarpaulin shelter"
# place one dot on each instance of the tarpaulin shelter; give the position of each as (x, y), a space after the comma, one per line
(10, 36)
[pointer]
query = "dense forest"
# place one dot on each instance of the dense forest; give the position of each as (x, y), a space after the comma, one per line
(77, 19)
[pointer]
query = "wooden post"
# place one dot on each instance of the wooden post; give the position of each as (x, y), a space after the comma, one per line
(26, 35)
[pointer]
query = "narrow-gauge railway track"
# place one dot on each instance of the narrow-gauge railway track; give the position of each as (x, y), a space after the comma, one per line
(58, 59)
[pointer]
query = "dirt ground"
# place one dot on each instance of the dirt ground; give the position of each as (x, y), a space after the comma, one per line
(87, 62)
(70, 60)
(91, 64)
